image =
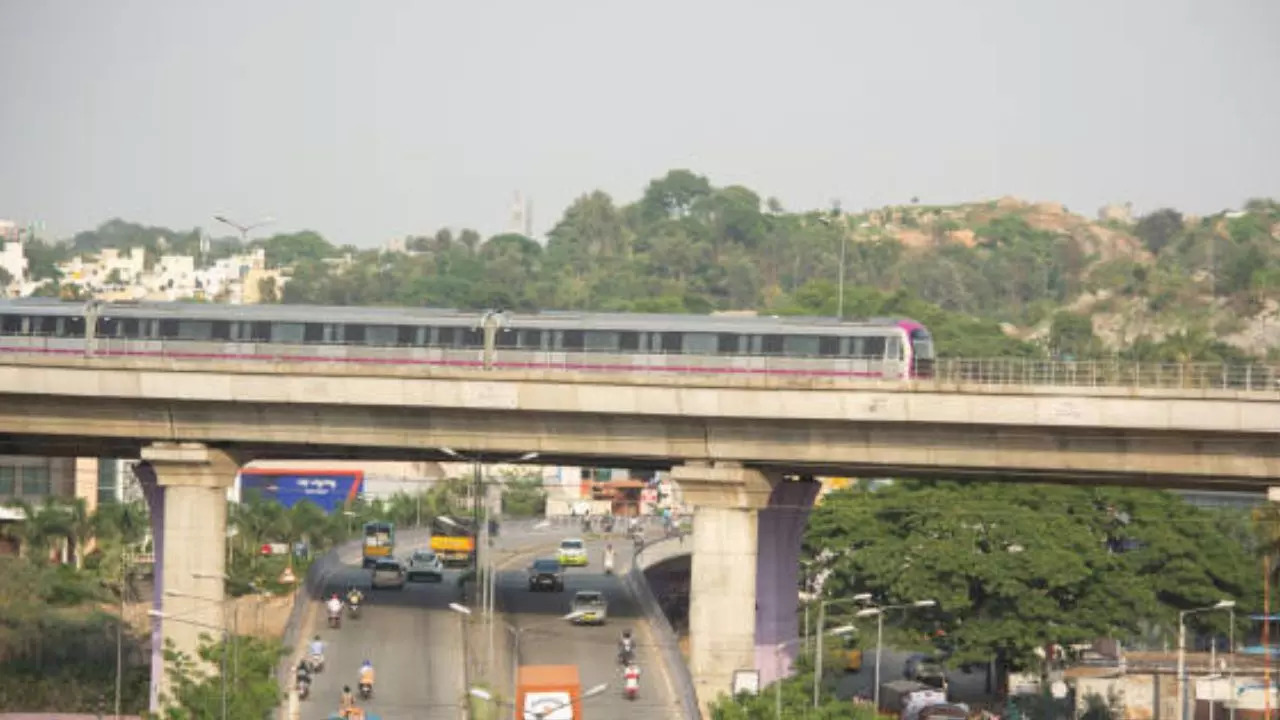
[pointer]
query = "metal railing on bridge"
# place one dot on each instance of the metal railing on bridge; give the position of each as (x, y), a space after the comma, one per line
(981, 372)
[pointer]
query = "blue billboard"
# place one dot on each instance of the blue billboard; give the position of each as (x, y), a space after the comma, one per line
(331, 490)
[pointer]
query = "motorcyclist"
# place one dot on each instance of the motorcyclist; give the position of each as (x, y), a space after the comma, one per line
(354, 596)
(302, 674)
(631, 677)
(608, 557)
(366, 674)
(626, 647)
(348, 701)
(316, 648)
(335, 605)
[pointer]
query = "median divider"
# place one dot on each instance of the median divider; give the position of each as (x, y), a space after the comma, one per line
(665, 636)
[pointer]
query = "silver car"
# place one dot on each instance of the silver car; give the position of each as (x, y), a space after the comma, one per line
(589, 608)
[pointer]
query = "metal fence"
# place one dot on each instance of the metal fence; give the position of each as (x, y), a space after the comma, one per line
(981, 372)
(665, 635)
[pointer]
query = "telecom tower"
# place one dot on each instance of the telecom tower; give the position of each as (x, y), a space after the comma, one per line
(521, 216)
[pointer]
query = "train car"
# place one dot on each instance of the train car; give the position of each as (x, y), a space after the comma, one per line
(889, 348)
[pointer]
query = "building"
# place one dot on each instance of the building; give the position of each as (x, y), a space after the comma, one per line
(13, 261)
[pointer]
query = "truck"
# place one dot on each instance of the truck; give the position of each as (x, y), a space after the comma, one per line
(453, 540)
(552, 692)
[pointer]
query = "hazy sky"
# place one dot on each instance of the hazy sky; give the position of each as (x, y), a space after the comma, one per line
(373, 120)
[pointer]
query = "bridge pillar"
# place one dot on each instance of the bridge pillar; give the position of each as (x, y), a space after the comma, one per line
(186, 488)
(781, 527)
(722, 583)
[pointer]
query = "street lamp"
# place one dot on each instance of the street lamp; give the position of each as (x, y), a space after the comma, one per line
(817, 646)
(1182, 648)
(516, 634)
(879, 613)
(226, 640)
(244, 228)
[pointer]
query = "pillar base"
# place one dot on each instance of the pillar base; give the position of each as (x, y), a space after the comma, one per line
(722, 588)
(186, 488)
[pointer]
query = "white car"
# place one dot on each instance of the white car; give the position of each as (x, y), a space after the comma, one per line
(573, 552)
(425, 566)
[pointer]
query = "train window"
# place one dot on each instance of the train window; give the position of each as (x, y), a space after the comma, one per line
(922, 344)
(893, 348)
(507, 338)
(872, 347)
(727, 343)
(288, 332)
(383, 335)
(772, 345)
(829, 346)
(169, 329)
(629, 341)
(194, 329)
(530, 339)
(800, 345)
(262, 332)
(74, 327)
(756, 345)
(606, 340)
(353, 334)
(408, 335)
(470, 337)
(313, 333)
(11, 324)
(573, 339)
(220, 330)
(43, 325)
(699, 343)
(671, 342)
(442, 337)
(130, 328)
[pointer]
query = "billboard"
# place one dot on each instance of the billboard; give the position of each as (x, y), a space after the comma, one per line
(329, 489)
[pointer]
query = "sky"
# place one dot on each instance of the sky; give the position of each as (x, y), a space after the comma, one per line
(368, 121)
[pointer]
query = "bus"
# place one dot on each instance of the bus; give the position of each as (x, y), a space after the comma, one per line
(379, 542)
(453, 540)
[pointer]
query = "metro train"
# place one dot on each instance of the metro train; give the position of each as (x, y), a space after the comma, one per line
(878, 348)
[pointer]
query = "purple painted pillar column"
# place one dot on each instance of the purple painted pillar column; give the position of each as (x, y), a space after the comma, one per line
(780, 533)
(154, 495)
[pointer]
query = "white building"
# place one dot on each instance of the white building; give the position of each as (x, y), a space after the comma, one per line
(14, 262)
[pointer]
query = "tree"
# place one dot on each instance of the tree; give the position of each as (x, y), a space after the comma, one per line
(286, 249)
(1014, 567)
(673, 195)
(197, 688)
(267, 290)
(1071, 334)
(797, 703)
(1159, 229)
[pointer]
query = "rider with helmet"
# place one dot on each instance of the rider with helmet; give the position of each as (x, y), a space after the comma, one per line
(354, 596)
(626, 647)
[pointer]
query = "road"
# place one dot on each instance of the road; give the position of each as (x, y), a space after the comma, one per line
(546, 640)
(414, 641)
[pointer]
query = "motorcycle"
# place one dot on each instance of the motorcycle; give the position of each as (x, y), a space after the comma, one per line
(315, 663)
(608, 566)
(632, 688)
(626, 656)
(304, 688)
(353, 607)
(366, 691)
(335, 619)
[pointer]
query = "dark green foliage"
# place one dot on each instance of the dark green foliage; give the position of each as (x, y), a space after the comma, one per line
(524, 497)
(1015, 566)
(238, 672)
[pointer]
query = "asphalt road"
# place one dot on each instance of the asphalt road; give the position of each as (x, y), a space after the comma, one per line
(414, 641)
(547, 640)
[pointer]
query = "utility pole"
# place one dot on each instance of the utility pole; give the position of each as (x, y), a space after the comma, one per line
(491, 322)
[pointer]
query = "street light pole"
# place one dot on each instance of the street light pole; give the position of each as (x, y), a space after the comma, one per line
(879, 613)
(1182, 649)
(821, 632)
(244, 228)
